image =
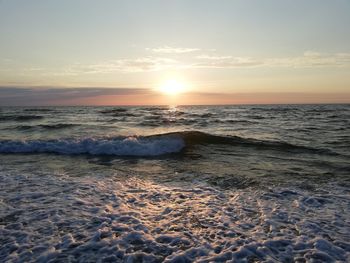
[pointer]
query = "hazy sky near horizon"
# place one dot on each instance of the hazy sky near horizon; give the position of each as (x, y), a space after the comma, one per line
(225, 46)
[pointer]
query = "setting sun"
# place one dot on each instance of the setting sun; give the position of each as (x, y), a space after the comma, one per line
(172, 87)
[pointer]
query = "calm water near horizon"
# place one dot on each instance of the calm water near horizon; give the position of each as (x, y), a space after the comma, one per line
(187, 183)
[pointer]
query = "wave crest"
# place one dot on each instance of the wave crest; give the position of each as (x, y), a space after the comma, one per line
(153, 145)
(127, 146)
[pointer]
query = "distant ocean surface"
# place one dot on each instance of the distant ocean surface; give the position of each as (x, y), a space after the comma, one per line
(178, 184)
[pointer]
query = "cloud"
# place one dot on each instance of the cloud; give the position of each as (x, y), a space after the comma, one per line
(228, 62)
(176, 50)
(143, 64)
(213, 57)
(148, 64)
(309, 59)
(34, 69)
(55, 95)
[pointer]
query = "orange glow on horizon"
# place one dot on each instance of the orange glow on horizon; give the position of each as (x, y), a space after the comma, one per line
(208, 99)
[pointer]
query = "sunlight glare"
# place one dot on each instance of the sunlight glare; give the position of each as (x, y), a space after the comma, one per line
(172, 87)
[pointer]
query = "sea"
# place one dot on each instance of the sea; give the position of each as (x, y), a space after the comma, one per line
(243, 183)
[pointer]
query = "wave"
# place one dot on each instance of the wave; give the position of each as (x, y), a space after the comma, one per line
(46, 126)
(121, 146)
(202, 115)
(196, 137)
(113, 110)
(20, 117)
(155, 108)
(153, 145)
(58, 126)
(118, 112)
(165, 122)
(237, 121)
(38, 110)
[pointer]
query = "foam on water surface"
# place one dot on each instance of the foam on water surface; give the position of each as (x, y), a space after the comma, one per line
(57, 217)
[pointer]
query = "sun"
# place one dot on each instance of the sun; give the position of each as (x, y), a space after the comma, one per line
(172, 87)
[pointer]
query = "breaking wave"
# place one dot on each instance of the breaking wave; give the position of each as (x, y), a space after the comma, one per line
(121, 146)
(153, 145)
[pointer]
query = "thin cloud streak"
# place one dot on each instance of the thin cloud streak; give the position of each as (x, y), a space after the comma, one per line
(307, 60)
(210, 57)
(143, 64)
(149, 64)
(59, 96)
(169, 50)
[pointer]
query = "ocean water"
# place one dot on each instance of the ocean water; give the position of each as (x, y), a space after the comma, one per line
(175, 184)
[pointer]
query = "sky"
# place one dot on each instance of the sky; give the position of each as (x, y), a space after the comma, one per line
(221, 52)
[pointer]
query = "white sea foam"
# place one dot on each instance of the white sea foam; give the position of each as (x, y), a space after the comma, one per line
(57, 217)
(130, 146)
